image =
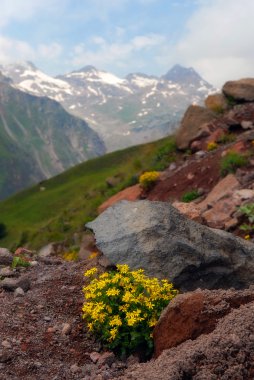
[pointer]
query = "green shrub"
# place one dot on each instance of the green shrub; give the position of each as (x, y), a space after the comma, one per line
(190, 196)
(231, 162)
(248, 211)
(148, 179)
(226, 138)
(19, 261)
(165, 155)
(121, 307)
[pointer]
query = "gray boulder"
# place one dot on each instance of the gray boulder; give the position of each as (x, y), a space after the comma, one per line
(156, 237)
(242, 89)
(5, 256)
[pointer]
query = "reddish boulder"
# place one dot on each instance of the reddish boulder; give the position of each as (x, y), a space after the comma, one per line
(192, 314)
(191, 210)
(223, 188)
(132, 193)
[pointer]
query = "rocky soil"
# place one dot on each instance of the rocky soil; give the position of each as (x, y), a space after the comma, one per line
(42, 334)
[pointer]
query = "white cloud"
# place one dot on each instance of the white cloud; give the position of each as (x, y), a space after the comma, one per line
(14, 50)
(118, 54)
(51, 51)
(219, 40)
(24, 9)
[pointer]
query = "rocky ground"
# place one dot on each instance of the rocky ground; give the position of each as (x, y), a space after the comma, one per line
(42, 334)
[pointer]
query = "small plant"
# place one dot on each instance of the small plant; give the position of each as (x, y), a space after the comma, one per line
(231, 162)
(190, 196)
(70, 256)
(212, 146)
(20, 261)
(226, 138)
(121, 307)
(148, 179)
(248, 211)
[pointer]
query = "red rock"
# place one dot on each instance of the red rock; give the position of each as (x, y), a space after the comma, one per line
(223, 188)
(220, 214)
(132, 193)
(95, 356)
(191, 210)
(195, 313)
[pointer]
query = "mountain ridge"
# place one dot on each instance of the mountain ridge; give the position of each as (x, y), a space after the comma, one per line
(123, 111)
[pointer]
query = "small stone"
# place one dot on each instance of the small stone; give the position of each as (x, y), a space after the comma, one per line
(94, 356)
(246, 124)
(5, 256)
(51, 330)
(11, 284)
(47, 319)
(75, 368)
(107, 358)
(200, 154)
(34, 263)
(172, 166)
(5, 356)
(6, 344)
(19, 292)
(6, 272)
(66, 329)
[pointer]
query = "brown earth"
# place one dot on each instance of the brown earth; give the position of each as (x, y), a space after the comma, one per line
(33, 345)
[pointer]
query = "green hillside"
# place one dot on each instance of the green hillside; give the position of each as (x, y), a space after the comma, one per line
(56, 208)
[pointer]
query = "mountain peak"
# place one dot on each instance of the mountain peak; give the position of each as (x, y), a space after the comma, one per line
(181, 74)
(87, 68)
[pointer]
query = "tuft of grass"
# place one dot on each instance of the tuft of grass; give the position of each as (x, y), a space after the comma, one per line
(231, 162)
(226, 138)
(190, 196)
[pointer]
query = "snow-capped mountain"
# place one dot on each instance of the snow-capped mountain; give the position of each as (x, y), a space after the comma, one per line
(124, 111)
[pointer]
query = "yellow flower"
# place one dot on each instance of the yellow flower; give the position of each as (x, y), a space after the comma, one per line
(93, 255)
(115, 321)
(112, 292)
(90, 272)
(212, 145)
(113, 333)
(247, 237)
(127, 297)
(123, 268)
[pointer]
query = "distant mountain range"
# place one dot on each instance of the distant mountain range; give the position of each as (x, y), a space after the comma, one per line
(39, 139)
(124, 112)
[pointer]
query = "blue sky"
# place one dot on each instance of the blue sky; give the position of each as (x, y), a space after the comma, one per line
(122, 36)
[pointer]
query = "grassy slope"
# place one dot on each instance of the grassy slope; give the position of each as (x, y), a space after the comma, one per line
(70, 199)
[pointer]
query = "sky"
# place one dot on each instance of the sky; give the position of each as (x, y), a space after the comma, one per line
(215, 37)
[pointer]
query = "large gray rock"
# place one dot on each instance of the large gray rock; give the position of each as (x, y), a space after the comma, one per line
(242, 89)
(194, 118)
(5, 256)
(156, 237)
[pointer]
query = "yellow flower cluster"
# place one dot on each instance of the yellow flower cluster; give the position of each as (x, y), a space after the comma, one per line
(212, 146)
(148, 179)
(122, 307)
